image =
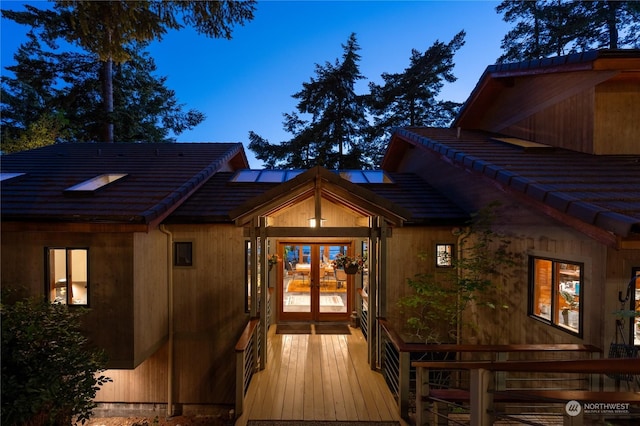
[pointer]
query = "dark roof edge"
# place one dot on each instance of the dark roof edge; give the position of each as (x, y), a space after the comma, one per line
(162, 209)
(607, 220)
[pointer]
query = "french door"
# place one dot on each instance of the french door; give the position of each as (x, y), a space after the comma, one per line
(310, 288)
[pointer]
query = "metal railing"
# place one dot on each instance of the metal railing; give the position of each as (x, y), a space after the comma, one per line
(364, 313)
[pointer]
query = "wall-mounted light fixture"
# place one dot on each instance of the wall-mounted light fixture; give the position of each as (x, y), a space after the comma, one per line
(312, 222)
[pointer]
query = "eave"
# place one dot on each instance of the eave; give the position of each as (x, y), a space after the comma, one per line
(319, 183)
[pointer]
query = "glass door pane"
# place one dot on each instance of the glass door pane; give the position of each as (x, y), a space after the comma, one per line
(296, 285)
(332, 282)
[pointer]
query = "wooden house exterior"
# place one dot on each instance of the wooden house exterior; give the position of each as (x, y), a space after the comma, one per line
(562, 160)
(172, 259)
(179, 238)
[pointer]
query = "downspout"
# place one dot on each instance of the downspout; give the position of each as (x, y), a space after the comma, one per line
(462, 233)
(164, 230)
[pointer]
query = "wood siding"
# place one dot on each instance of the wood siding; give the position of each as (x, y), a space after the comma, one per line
(534, 234)
(616, 112)
(590, 112)
(299, 214)
(209, 317)
(403, 262)
(127, 291)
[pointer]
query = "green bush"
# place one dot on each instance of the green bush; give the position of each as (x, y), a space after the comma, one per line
(49, 372)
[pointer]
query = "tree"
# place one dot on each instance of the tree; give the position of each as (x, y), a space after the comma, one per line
(107, 29)
(332, 137)
(437, 309)
(410, 98)
(49, 371)
(56, 96)
(544, 28)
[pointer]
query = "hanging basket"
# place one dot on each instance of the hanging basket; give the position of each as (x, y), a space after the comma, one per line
(351, 269)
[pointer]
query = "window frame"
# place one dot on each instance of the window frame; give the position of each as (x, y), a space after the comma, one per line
(177, 262)
(448, 262)
(634, 305)
(68, 275)
(555, 319)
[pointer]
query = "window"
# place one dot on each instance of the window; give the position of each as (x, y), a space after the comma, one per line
(634, 292)
(96, 183)
(444, 255)
(67, 275)
(182, 254)
(555, 293)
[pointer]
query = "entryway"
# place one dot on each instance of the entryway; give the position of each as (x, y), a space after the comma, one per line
(309, 287)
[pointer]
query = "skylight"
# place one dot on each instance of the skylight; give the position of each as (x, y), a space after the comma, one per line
(6, 176)
(279, 176)
(96, 182)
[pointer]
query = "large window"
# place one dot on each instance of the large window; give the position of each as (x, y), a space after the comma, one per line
(556, 293)
(68, 275)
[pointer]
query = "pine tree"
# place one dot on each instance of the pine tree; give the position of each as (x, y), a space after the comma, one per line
(410, 98)
(544, 28)
(332, 136)
(108, 29)
(56, 96)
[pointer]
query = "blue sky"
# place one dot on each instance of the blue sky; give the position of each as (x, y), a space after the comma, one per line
(245, 84)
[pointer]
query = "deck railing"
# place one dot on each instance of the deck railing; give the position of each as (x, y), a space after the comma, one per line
(398, 355)
(247, 350)
(486, 398)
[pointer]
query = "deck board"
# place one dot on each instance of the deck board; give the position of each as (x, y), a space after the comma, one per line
(318, 377)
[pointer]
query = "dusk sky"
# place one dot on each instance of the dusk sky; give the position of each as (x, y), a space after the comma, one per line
(245, 84)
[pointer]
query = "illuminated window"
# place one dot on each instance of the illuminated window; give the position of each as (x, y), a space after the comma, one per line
(182, 254)
(444, 255)
(68, 275)
(556, 292)
(96, 183)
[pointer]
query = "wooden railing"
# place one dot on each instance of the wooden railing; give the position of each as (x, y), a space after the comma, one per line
(397, 357)
(484, 389)
(247, 350)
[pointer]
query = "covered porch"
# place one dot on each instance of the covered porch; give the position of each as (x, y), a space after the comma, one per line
(318, 377)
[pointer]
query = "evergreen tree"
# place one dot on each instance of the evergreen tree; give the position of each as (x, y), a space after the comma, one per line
(56, 96)
(544, 28)
(332, 136)
(107, 29)
(611, 24)
(410, 98)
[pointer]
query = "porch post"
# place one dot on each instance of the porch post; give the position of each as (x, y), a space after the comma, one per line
(264, 291)
(374, 273)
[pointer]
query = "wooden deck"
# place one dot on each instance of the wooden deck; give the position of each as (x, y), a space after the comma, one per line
(318, 377)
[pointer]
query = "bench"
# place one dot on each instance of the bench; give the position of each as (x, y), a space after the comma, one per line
(481, 399)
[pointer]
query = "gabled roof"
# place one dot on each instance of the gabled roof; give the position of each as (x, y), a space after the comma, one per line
(331, 187)
(221, 199)
(587, 68)
(158, 178)
(603, 191)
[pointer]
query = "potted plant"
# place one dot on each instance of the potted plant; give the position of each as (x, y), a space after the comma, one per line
(273, 260)
(570, 304)
(350, 264)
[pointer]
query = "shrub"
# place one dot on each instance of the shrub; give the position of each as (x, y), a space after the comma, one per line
(436, 307)
(49, 372)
